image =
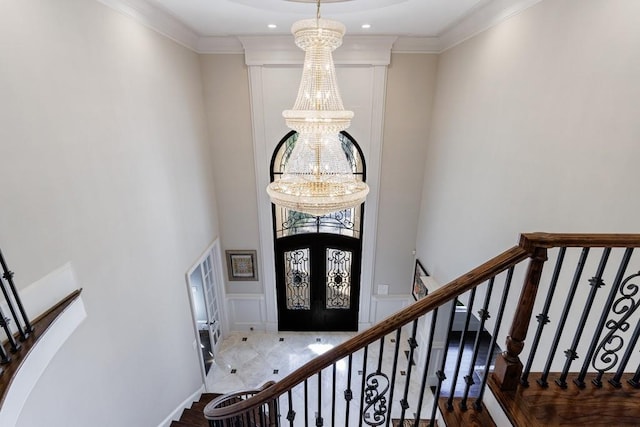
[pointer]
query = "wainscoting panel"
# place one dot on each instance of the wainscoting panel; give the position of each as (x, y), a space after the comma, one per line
(246, 312)
(383, 306)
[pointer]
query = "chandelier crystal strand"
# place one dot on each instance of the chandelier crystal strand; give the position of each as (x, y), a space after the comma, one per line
(318, 178)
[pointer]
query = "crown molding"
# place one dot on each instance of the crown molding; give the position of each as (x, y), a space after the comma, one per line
(417, 45)
(481, 19)
(281, 50)
(157, 20)
(228, 44)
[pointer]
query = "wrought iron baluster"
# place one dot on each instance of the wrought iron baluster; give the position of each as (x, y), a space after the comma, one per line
(543, 317)
(333, 396)
(492, 346)
(306, 403)
(364, 376)
(291, 415)
(348, 394)
(4, 322)
(635, 381)
(8, 275)
(542, 381)
(274, 419)
(394, 370)
(374, 396)
(590, 356)
(440, 374)
(404, 402)
(319, 419)
(463, 335)
(425, 372)
(4, 357)
(595, 282)
(484, 315)
(264, 411)
(615, 381)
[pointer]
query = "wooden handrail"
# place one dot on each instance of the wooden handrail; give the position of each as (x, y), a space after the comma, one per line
(239, 394)
(435, 299)
(530, 241)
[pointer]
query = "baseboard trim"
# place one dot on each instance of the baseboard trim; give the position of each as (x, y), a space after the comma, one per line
(175, 415)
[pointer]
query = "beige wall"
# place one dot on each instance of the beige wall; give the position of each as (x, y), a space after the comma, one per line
(105, 164)
(535, 128)
(226, 92)
(410, 90)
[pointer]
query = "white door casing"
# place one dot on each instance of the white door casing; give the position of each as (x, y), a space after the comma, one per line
(207, 271)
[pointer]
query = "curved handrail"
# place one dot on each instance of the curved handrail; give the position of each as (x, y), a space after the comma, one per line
(238, 395)
(435, 299)
(41, 325)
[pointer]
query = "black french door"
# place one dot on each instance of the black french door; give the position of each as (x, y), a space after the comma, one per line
(318, 282)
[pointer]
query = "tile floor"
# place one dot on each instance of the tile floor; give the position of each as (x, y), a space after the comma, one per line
(246, 360)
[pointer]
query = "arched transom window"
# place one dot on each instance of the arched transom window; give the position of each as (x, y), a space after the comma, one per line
(288, 222)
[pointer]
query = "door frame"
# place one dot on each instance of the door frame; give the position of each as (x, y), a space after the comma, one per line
(218, 288)
(319, 242)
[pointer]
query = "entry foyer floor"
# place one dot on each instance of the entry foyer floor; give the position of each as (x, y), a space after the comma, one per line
(246, 360)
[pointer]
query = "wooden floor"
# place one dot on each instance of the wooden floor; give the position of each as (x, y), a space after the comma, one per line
(535, 406)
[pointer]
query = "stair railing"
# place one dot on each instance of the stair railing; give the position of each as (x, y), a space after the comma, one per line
(18, 315)
(444, 368)
(265, 415)
(602, 298)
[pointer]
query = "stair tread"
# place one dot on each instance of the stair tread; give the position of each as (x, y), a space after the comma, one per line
(196, 418)
(469, 418)
(180, 424)
(204, 401)
(535, 406)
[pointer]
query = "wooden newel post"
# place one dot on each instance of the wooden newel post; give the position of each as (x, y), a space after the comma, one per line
(508, 367)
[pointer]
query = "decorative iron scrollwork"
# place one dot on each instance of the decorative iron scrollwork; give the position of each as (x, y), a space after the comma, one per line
(338, 279)
(297, 279)
(375, 411)
(606, 357)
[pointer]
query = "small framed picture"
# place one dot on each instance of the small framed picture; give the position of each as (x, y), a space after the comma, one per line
(242, 265)
(419, 289)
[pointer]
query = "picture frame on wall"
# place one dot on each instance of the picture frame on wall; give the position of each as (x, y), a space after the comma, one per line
(242, 265)
(419, 289)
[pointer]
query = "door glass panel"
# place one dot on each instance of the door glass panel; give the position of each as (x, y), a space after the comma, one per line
(296, 273)
(338, 279)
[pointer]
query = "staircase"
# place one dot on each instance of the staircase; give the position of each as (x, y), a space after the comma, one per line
(574, 362)
(193, 416)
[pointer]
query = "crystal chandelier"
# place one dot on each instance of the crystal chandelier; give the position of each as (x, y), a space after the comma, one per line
(318, 178)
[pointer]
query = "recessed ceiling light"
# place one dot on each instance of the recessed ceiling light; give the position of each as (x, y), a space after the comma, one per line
(366, 26)
(272, 26)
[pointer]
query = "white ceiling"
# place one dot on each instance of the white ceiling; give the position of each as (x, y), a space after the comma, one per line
(210, 26)
(427, 18)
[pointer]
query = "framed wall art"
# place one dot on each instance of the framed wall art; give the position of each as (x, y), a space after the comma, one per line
(242, 265)
(419, 289)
